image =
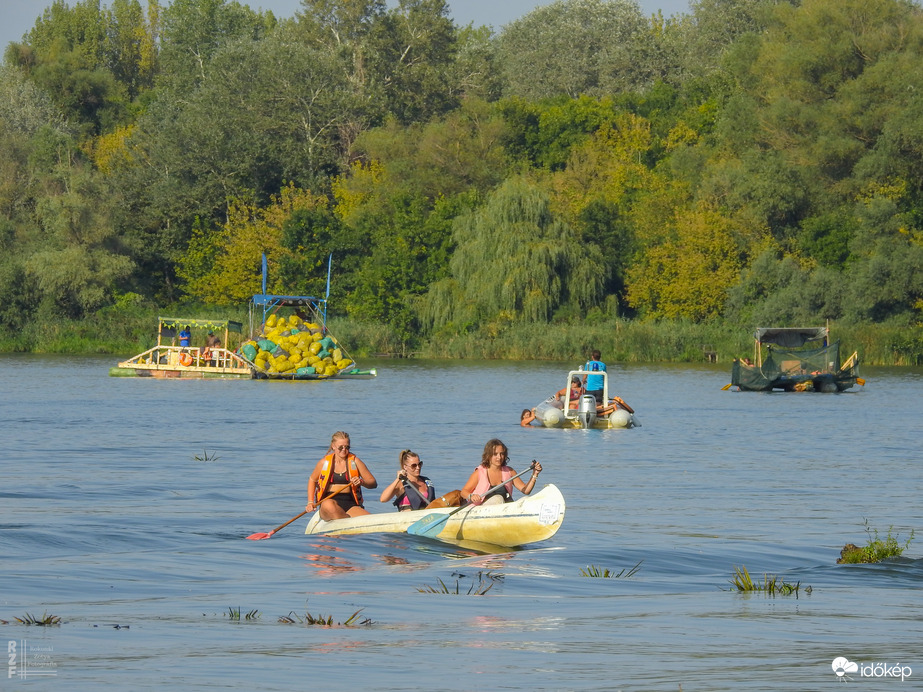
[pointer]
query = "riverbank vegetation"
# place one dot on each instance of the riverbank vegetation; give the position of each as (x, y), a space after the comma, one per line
(586, 177)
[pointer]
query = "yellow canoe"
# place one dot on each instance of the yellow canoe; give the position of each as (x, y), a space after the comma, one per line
(530, 519)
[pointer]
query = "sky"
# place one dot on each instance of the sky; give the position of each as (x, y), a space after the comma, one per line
(18, 16)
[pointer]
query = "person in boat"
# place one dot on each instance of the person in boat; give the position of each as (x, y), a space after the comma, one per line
(573, 395)
(493, 470)
(593, 384)
(185, 337)
(411, 489)
(212, 342)
(526, 417)
(339, 467)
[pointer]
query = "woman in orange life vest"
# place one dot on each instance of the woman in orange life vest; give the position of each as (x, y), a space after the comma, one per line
(494, 471)
(339, 467)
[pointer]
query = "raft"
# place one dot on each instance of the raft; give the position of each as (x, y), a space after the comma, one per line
(530, 519)
(552, 414)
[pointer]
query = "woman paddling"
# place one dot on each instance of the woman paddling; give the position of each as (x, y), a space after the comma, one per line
(493, 471)
(411, 489)
(339, 468)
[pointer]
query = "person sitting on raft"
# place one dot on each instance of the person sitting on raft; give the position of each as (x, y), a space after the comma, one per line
(410, 490)
(576, 391)
(493, 471)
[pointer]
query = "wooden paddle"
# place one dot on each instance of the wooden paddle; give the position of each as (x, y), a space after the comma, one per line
(430, 525)
(337, 489)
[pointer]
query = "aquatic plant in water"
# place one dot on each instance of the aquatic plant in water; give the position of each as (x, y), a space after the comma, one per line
(594, 571)
(323, 620)
(771, 584)
(876, 550)
(234, 614)
(205, 457)
(485, 582)
(45, 620)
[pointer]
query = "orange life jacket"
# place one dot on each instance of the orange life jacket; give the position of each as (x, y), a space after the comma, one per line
(352, 471)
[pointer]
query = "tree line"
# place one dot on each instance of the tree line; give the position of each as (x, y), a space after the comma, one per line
(751, 162)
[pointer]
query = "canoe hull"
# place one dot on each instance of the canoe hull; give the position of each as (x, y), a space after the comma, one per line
(530, 519)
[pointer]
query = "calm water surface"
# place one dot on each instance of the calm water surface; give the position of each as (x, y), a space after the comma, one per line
(126, 502)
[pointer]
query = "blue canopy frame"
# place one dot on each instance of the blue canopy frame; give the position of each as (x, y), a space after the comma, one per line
(270, 302)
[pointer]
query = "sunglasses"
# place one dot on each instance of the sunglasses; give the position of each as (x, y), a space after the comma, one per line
(415, 466)
(341, 448)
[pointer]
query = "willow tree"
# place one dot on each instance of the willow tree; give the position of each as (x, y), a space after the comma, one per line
(514, 262)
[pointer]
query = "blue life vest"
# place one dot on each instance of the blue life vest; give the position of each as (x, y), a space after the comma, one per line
(413, 496)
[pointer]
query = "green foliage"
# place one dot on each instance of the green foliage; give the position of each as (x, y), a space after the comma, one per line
(234, 614)
(594, 571)
(574, 47)
(543, 133)
(485, 582)
(877, 549)
(323, 620)
(771, 585)
(44, 621)
(514, 261)
(754, 161)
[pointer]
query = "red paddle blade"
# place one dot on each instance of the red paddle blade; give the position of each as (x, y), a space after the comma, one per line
(259, 536)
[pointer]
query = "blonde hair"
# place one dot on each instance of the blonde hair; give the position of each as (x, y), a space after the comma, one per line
(405, 455)
(339, 435)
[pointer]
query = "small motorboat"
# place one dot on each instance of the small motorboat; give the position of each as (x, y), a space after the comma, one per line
(585, 413)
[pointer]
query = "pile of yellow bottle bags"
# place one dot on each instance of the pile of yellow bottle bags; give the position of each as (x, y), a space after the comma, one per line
(291, 346)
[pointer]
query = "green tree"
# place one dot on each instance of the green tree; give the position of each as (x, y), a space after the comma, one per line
(76, 258)
(94, 63)
(577, 47)
(514, 262)
(194, 30)
(688, 275)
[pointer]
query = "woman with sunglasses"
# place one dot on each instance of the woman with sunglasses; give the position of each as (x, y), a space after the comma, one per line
(493, 471)
(411, 489)
(339, 468)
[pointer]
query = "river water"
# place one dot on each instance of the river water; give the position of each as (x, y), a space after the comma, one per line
(124, 504)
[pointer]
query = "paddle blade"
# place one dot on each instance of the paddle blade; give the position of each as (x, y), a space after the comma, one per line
(259, 536)
(429, 526)
(726, 387)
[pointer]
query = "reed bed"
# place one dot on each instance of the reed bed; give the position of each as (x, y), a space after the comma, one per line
(130, 328)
